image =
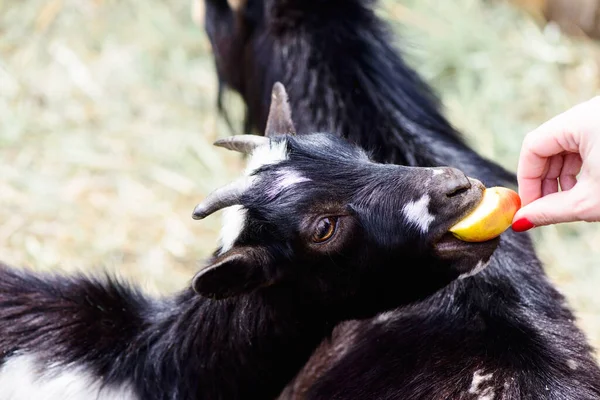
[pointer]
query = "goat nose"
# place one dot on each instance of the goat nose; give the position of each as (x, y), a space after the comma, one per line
(450, 181)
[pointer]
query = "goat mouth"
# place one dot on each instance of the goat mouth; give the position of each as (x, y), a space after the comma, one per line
(448, 246)
(465, 258)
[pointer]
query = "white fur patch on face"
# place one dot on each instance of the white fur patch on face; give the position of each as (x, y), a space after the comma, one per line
(234, 218)
(286, 178)
(272, 153)
(478, 268)
(23, 377)
(417, 213)
(289, 178)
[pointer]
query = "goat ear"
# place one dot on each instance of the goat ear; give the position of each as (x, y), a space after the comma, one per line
(280, 115)
(232, 275)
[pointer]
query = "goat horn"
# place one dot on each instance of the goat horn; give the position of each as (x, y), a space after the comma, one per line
(279, 121)
(242, 143)
(223, 197)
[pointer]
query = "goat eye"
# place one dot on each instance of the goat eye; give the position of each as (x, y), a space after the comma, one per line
(324, 230)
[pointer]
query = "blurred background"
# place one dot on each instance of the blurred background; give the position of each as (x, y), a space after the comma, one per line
(107, 115)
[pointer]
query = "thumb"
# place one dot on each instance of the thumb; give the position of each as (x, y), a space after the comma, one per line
(551, 209)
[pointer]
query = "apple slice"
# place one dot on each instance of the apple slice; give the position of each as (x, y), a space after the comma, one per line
(490, 218)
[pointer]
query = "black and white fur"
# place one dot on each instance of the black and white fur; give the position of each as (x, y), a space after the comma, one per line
(272, 292)
(504, 333)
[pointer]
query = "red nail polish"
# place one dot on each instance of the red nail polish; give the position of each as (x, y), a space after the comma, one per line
(522, 225)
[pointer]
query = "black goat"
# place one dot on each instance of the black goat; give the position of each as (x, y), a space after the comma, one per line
(505, 333)
(315, 233)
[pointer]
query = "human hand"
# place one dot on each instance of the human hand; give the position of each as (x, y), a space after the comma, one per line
(552, 156)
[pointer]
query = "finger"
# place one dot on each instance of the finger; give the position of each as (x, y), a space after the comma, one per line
(542, 143)
(571, 167)
(567, 182)
(558, 135)
(549, 186)
(529, 176)
(552, 209)
(550, 181)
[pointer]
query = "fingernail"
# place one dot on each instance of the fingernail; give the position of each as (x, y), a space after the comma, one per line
(522, 225)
